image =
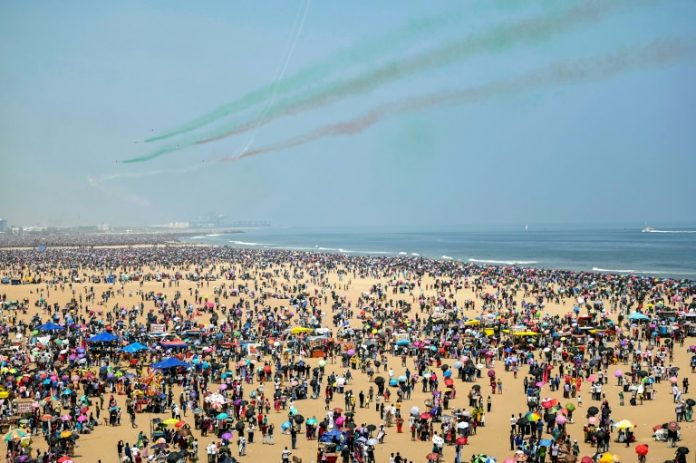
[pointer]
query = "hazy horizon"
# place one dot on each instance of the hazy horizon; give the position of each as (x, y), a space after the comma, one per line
(475, 114)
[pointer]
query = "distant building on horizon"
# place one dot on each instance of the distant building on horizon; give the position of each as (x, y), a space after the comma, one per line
(4, 225)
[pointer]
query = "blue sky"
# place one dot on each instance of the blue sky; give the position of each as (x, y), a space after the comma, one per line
(84, 83)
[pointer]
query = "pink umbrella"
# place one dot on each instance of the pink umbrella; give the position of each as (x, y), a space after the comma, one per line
(618, 373)
(673, 380)
(592, 420)
(81, 418)
(66, 417)
(560, 419)
(340, 420)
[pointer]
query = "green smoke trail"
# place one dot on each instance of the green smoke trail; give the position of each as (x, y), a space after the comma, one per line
(658, 53)
(359, 54)
(527, 31)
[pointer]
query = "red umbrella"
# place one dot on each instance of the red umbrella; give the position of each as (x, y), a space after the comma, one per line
(586, 460)
(548, 403)
(642, 449)
(461, 440)
(433, 456)
(425, 416)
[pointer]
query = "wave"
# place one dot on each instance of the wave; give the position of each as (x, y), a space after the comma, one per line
(402, 253)
(504, 262)
(610, 270)
(643, 272)
(245, 243)
(669, 231)
(415, 254)
(447, 257)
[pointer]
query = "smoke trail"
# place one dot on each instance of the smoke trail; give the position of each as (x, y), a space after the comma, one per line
(658, 53)
(297, 31)
(97, 181)
(529, 31)
(357, 54)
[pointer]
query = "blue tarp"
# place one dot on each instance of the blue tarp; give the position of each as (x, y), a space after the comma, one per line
(104, 337)
(50, 326)
(133, 348)
(169, 362)
(638, 316)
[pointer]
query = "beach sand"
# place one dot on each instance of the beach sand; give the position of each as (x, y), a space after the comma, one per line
(491, 439)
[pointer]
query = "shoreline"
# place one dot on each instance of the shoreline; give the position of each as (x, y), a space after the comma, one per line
(446, 264)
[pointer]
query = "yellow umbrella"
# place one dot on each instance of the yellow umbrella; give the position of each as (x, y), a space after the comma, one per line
(300, 329)
(170, 421)
(606, 458)
(472, 322)
(623, 424)
(65, 434)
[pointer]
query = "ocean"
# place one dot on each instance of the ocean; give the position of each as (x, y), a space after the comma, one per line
(663, 252)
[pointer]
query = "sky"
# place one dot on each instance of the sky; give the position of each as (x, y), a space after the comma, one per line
(311, 113)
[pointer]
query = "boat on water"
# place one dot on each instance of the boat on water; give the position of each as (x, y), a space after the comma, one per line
(648, 230)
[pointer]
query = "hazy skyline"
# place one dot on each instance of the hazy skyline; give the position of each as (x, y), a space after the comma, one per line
(548, 113)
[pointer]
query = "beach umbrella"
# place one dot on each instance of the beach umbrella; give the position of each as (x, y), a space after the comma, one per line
(312, 421)
(415, 411)
(642, 449)
(561, 419)
(239, 426)
(533, 417)
(170, 422)
(65, 434)
(491, 373)
(618, 373)
(592, 411)
(683, 450)
(623, 424)
(570, 406)
(425, 416)
(285, 426)
(673, 426)
(220, 416)
(606, 458)
(372, 441)
(691, 402)
(371, 427)
(379, 380)
(461, 440)
(549, 403)
(15, 434)
(299, 419)
(586, 460)
(433, 456)
(227, 436)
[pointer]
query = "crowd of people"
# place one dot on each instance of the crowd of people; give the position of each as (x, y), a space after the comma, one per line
(211, 346)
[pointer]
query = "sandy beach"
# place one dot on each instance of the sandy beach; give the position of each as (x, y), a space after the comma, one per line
(269, 281)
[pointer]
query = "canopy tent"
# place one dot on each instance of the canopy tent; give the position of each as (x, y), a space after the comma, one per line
(133, 348)
(50, 326)
(637, 316)
(169, 362)
(104, 337)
